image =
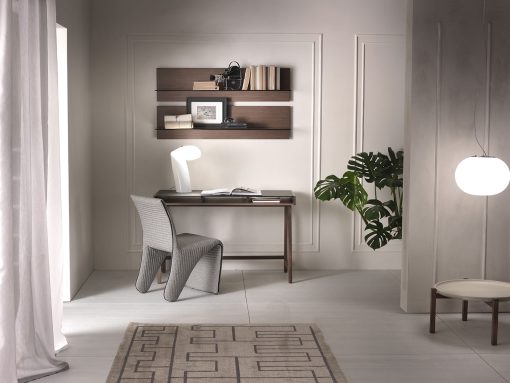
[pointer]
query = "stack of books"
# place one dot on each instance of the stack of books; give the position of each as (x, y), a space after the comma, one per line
(261, 77)
(183, 121)
(205, 85)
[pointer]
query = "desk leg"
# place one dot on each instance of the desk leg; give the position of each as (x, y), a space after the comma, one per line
(495, 312)
(464, 310)
(288, 240)
(433, 298)
(285, 265)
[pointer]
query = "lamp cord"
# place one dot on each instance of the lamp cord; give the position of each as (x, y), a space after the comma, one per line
(478, 89)
(476, 136)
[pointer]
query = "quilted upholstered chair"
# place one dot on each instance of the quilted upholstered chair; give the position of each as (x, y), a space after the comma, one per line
(195, 259)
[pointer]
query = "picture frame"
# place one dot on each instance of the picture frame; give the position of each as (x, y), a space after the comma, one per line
(207, 112)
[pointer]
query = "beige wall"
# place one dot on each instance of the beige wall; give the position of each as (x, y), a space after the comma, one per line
(333, 47)
(453, 79)
(74, 15)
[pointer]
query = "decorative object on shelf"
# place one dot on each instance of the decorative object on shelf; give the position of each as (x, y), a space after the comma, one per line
(383, 220)
(230, 123)
(183, 121)
(246, 79)
(262, 77)
(179, 158)
(253, 77)
(232, 75)
(271, 77)
(482, 176)
(205, 85)
(207, 111)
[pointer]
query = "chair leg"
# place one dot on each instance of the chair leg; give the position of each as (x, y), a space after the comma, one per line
(182, 266)
(206, 275)
(151, 261)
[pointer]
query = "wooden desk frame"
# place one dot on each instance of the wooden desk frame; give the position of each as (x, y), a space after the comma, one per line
(286, 200)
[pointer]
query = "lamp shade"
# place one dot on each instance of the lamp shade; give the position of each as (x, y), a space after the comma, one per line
(482, 175)
(187, 152)
(179, 158)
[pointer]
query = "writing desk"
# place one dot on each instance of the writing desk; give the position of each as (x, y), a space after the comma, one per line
(270, 198)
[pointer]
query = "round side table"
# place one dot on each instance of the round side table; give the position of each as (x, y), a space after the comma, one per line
(490, 292)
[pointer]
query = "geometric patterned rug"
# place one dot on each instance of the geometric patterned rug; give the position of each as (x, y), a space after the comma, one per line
(268, 353)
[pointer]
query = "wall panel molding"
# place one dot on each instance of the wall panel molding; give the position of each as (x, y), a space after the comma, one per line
(437, 133)
(367, 47)
(310, 244)
(487, 133)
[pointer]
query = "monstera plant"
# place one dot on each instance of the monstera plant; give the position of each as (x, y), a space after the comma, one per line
(383, 220)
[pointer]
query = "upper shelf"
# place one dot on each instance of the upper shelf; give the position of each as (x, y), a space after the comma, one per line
(176, 84)
(233, 95)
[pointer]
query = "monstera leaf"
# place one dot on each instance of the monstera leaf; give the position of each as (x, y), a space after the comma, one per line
(378, 235)
(376, 210)
(348, 189)
(368, 166)
(392, 168)
(395, 226)
(381, 170)
(328, 188)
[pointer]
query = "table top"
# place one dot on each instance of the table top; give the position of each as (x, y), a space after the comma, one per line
(268, 198)
(474, 289)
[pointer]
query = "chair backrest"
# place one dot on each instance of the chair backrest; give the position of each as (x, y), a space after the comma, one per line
(157, 225)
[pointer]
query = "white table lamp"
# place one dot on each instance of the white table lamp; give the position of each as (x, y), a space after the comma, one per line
(180, 158)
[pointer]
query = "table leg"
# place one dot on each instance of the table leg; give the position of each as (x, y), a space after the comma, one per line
(288, 224)
(464, 310)
(433, 298)
(158, 276)
(285, 265)
(495, 312)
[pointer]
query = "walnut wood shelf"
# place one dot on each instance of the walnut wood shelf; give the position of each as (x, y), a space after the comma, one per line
(233, 95)
(268, 121)
(257, 117)
(223, 133)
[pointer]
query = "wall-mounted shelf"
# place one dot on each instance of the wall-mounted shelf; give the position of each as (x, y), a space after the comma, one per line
(271, 122)
(223, 133)
(233, 95)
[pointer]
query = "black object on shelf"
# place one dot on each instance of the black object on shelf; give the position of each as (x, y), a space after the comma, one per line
(234, 125)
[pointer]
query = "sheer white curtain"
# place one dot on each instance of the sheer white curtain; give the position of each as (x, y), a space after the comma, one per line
(30, 217)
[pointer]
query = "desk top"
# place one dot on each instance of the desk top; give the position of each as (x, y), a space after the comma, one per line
(474, 289)
(268, 198)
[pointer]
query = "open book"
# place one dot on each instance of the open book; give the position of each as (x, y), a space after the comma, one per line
(238, 191)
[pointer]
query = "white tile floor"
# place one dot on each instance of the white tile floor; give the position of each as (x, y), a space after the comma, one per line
(358, 312)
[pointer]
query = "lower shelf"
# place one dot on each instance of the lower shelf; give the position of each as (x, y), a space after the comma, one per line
(222, 133)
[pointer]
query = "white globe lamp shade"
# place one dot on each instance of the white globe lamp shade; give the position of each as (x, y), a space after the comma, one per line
(179, 158)
(482, 175)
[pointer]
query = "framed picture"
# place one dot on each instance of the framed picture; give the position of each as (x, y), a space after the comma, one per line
(207, 111)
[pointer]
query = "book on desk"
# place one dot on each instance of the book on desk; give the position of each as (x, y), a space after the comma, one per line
(239, 191)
